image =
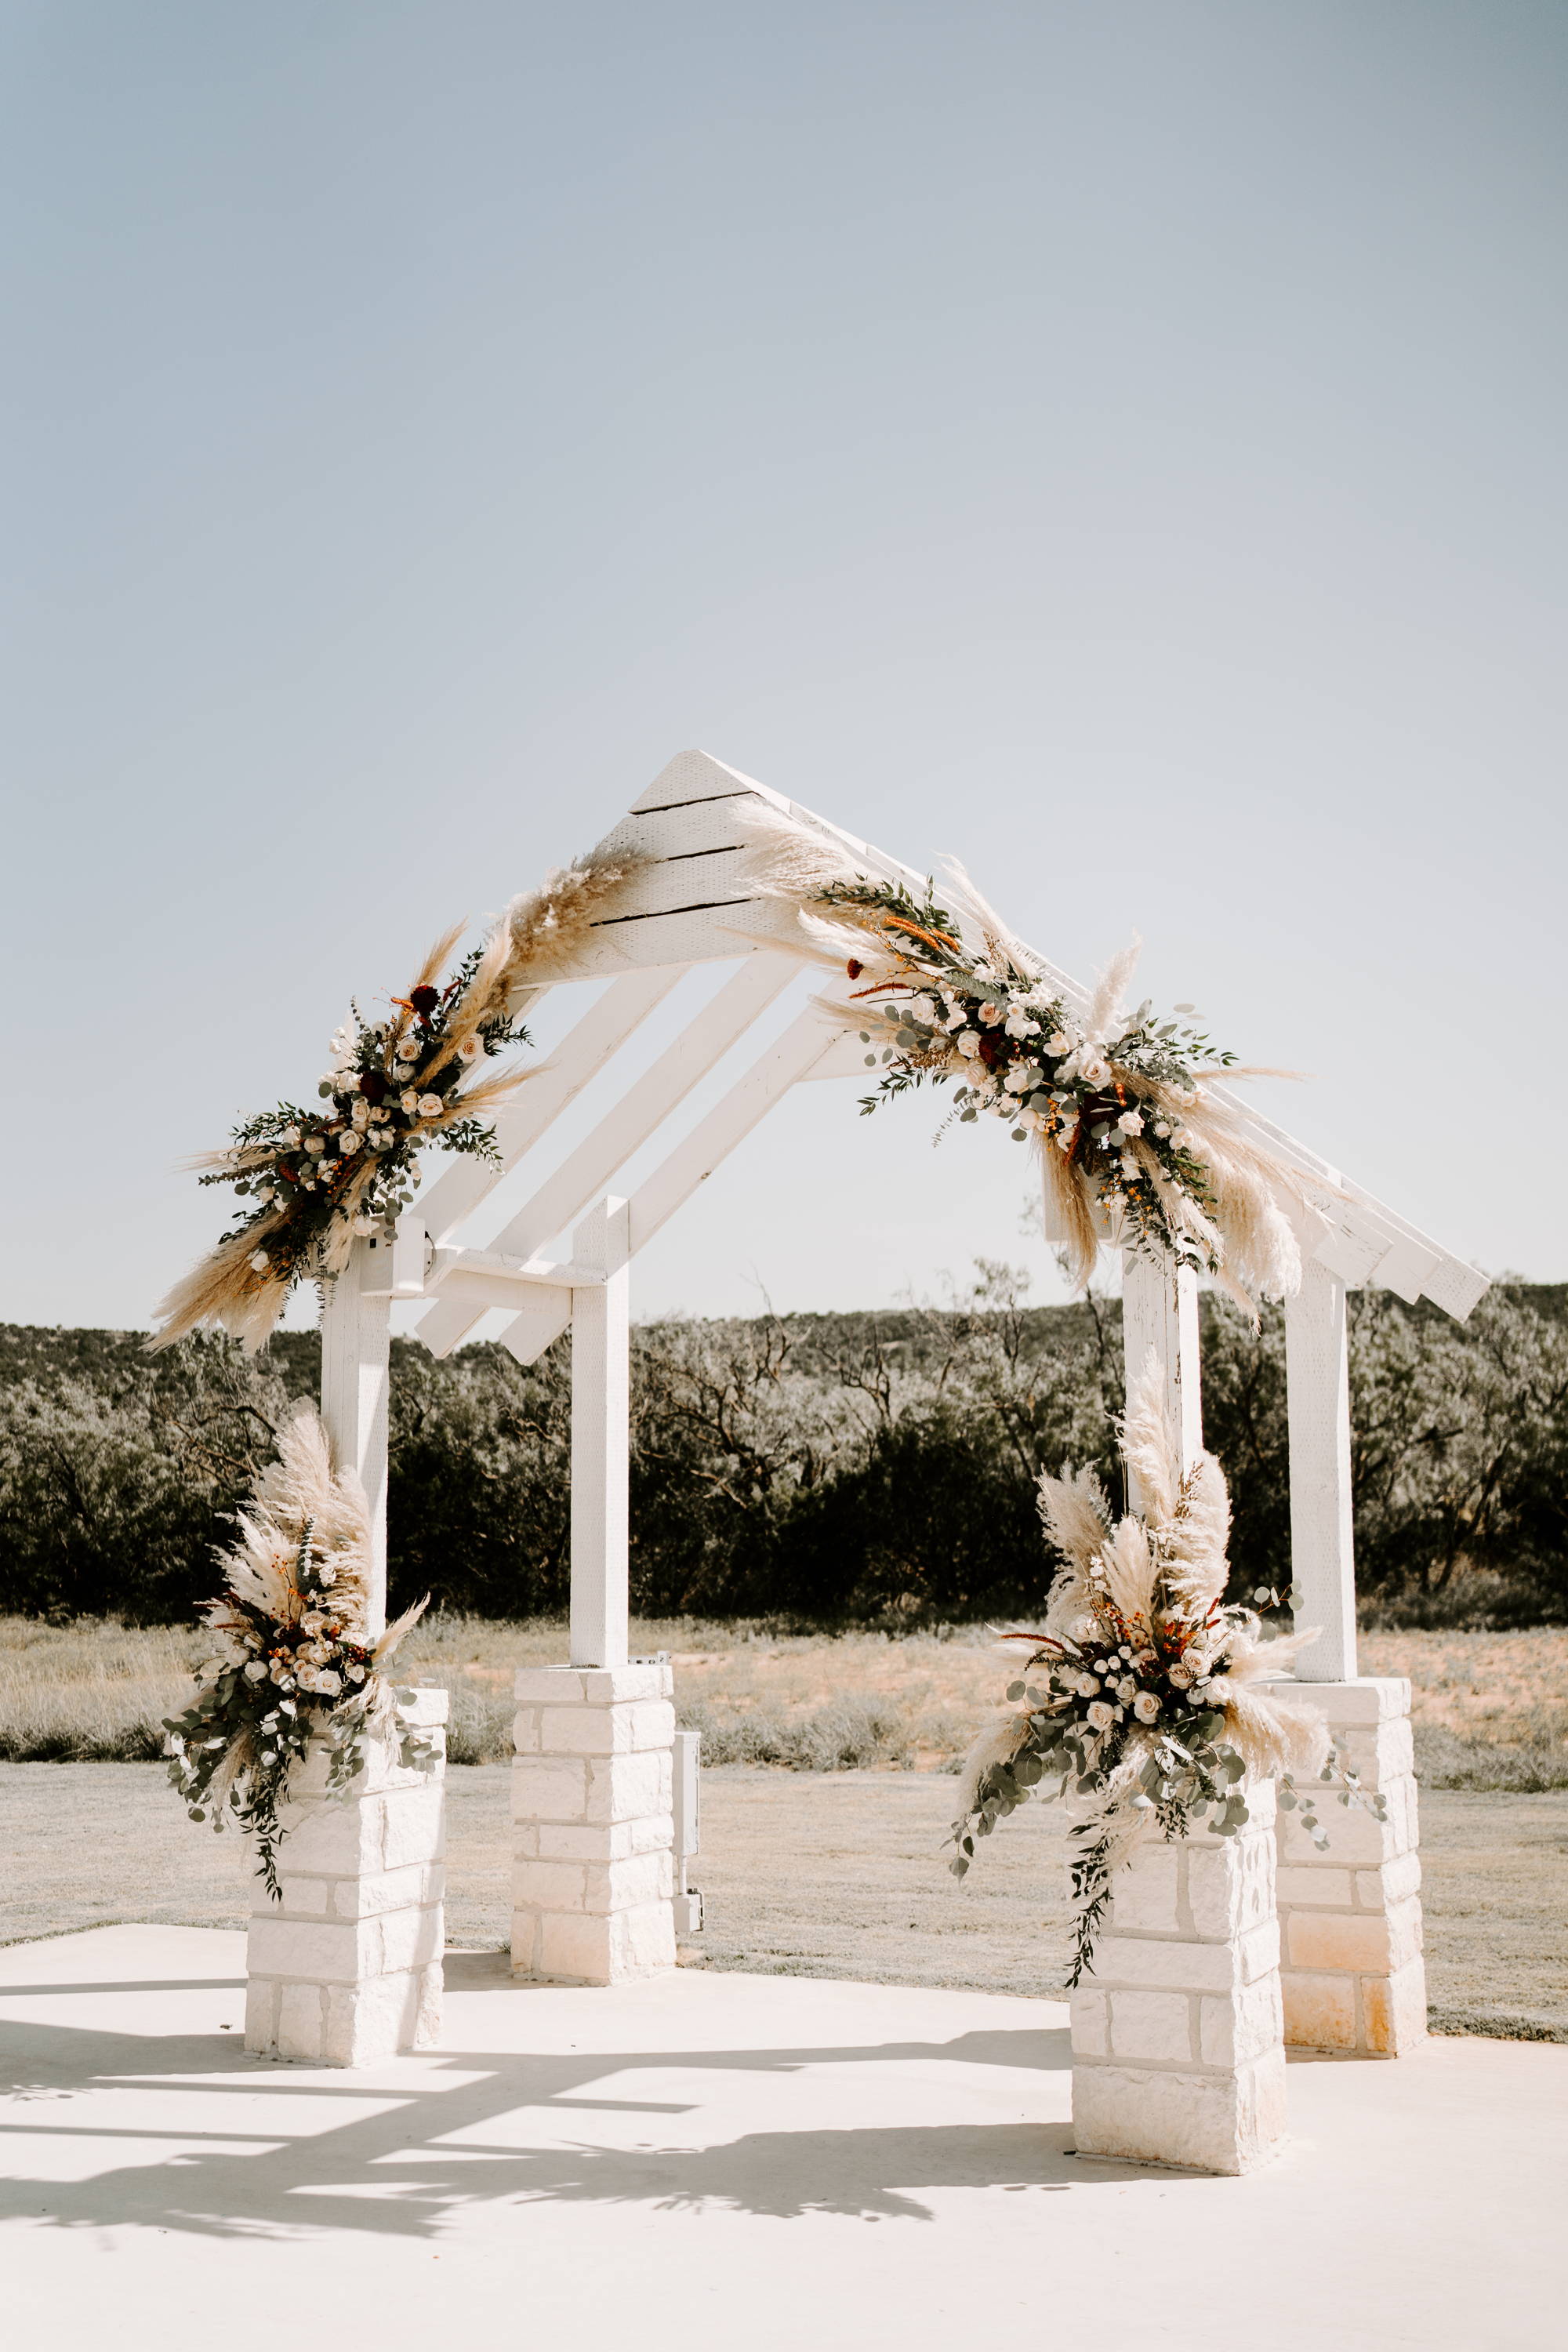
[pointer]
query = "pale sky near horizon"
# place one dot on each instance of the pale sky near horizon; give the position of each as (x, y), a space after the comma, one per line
(1119, 445)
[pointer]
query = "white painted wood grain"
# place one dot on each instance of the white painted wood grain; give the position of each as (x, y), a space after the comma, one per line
(586, 1173)
(1160, 1317)
(580, 1057)
(356, 1336)
(600, 1436)
(1323, 1543)
(729, 1123)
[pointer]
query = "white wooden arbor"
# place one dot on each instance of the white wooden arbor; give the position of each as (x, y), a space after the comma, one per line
(1179, 2044)
(694, 907)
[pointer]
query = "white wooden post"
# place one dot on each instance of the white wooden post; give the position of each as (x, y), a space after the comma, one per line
(593, 1868)
(356, 1344)
(1352, 1973)
(1322, 1555)
(1178, 2057)
(347, 1968)
(1160, 1310)
(601, 1342)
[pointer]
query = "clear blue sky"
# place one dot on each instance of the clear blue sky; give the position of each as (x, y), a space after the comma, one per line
(1120, 443)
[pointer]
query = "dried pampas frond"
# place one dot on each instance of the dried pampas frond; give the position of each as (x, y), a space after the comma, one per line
(788, 860)
(1076, 1515)
(997, 1745)
(544, 927)
(1071, 1213)
(1127, 1571)
(1004, 944)
(1147, 1445)
(1107, 1014)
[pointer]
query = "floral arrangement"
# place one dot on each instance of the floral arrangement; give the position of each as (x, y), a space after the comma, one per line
(296, 1661)
(309, 1182)
(1131, 1141)
(1146, 1701)
(1134, 1147)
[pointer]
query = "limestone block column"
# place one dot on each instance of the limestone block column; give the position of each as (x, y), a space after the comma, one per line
(1349, 1918)
(593, 1875)
(347, 1968)
(1176, 2037)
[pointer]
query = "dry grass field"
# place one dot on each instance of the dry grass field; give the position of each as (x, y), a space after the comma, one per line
(1491, 1709)
(830, 1863)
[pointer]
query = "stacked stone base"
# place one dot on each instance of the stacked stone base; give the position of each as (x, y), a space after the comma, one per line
(346, 1970)
(594, 1872)
(1178, 2055)
(1351, 1971)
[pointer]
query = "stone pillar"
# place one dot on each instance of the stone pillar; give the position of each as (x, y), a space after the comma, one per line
(347, 1968)
(1350, 1919)
(1176, 2047)
(592, 1876)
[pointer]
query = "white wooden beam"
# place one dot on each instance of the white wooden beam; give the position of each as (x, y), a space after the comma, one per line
(601, 1344)
(586, 1173)
(1159, 1315)
(581, 1055)
(729, 1121)
(356, 1337)
(1323, 1543)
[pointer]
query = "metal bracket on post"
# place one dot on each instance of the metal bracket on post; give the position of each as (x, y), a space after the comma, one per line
(601, 1342)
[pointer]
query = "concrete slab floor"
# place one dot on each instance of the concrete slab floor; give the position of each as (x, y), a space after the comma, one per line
(714, 2160)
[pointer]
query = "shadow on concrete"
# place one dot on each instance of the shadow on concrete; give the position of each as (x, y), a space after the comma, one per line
(415, 2144)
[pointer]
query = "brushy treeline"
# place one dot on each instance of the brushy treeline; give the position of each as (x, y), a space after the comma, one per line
(851, 1469)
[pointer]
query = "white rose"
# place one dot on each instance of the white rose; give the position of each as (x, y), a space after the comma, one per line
(349, 1140)
(408, 1105)
(256, 1672)
(431, 1106)
(360, 1114)
(968, 1044)
(1127, 1690)
(1058, 1042)
(1130, 1122)
(1145, 1706)
(402, 1071)
(924, 1009)
(315, 1145)
(1101, 1716)
(1087, 1686)
(1161, 1126)
(1020, 1023)
(328, 1682)
(356, 1674)
(1092, 1066)
(290, 1140)
(470, 1049)
(990, 1014)
(1020, 1079)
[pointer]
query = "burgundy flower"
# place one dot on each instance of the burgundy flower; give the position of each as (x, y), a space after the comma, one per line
(424, 1001)
(992, 1048)
(854, 968)
(372, 1086)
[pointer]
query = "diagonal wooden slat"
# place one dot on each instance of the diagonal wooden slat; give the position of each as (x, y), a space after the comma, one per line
(585, 1174)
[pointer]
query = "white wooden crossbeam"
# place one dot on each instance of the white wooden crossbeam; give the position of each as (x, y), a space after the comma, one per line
(585, 1174)
(694, 1159)
(557, 1082)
